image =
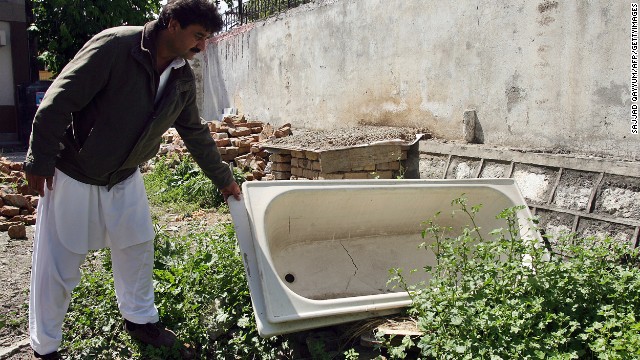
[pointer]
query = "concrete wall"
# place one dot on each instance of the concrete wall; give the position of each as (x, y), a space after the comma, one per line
(588, 196)
(540, 74)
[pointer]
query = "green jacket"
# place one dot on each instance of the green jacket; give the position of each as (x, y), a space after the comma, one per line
(97, 122)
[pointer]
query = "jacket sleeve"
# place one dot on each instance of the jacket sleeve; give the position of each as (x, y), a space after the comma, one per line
(198, 140)
(71, 91)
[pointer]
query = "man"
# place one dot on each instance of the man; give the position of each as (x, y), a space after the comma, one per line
(100, 119)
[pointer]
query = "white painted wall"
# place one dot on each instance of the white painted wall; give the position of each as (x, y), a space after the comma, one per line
(541, 74)
(6, 68)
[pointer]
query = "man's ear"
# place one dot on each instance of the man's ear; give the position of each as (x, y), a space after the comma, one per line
(173, 25)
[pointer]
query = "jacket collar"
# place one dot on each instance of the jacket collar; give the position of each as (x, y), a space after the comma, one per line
(146, 53)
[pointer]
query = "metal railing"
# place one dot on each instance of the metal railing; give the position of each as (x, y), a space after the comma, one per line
(253, 10)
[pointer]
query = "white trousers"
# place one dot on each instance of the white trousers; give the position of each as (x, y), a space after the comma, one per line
(59, 252)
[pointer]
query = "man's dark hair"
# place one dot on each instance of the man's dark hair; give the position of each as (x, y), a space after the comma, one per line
(188, 12)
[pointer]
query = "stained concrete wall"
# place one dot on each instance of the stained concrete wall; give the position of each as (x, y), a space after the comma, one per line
(540, 74)
(587, 195)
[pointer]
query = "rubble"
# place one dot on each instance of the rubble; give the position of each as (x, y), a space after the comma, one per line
(17, 202)
(239, 141)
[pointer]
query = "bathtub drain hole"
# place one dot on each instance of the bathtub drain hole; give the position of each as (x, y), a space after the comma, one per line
(289, 278)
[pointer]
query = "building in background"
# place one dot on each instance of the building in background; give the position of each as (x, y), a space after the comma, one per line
(16, 68)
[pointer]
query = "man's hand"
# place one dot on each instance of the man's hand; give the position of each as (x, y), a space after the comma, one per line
(37, 182)
(231, 189)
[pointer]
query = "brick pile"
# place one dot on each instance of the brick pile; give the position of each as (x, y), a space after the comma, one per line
(371, 162)
(239, 141)
(17, 202)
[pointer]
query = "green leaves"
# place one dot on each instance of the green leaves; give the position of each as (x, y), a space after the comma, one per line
(201, 293)
(179, 183)
(63, 26)
(483, 301)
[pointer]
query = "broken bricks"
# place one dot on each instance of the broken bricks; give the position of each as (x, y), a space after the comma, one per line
(238, 141)
(17, 202)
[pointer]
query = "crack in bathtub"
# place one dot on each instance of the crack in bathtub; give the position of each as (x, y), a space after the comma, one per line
(350, 257)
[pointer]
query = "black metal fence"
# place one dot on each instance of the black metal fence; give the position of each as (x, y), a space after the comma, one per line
(254, 10)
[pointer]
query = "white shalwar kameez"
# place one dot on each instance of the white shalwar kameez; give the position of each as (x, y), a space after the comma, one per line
(74, 218)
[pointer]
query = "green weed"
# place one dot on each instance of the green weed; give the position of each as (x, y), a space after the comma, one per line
(201, 293)
(511, 298)
(179, 184)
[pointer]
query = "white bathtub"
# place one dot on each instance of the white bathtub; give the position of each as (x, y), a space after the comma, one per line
(318, 253)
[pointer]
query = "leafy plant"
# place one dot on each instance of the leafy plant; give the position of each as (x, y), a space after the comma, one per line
(201, 293)
(183, 186)
(511, 298)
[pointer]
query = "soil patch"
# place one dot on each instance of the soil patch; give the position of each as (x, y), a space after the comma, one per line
(320, 140)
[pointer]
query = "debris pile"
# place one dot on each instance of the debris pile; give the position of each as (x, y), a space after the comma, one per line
(239, 141)
(18, 203)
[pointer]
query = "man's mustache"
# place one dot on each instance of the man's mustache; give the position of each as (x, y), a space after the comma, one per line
(195, 50)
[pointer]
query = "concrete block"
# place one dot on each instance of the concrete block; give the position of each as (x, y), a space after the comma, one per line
(463, 168)
(432, 166)
(393, 165)
(297, 171)
(601, 229)
(310, 174)
(281, 167)
(311, 155)
(574, 190)
(619, 196)
(279, 175)
(494, 169)
(298, 154)
(535, 183)
(280, 157)
(555, 224)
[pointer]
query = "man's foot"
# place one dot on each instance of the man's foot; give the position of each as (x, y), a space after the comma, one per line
(51, 356)
(156, 335)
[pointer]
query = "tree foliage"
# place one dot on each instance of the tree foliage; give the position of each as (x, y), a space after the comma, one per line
(63, 26)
